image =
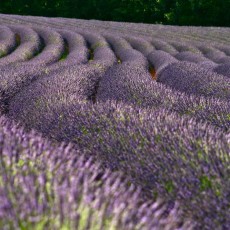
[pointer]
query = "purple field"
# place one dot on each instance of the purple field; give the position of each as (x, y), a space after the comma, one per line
(109, 125)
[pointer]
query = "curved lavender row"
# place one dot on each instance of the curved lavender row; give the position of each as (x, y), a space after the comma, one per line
(40, 179)
(60, 86)
(77, 50)
(191, 57)
(140, 44)
(103, 57)
(180, 155)
(125, 52)
(124, 82)
(164, 46)
(191, 79)
(101, 54)
(223, 48)
(225, 60)
(29, 44)
(160, 59)
(7, 41)
(218, 57)
(212, 53)
(134, 56)
(13, 77)
(223, 69)
(132, 84)
(54, 47)
(94, 40)
(183, 47)
(208, 65)
(117, 44)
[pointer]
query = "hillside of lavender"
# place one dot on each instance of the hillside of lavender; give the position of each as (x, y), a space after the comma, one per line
(109, 125)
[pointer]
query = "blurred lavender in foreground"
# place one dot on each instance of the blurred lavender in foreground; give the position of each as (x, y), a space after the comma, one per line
(48, 186)
(182, 159)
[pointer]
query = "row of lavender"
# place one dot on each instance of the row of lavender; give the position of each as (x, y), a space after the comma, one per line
(50, 186)
(131, 82)
(55, 105)
(135, 124)
(165, 154)
(216, 52)
(206, 77)
(182, 76)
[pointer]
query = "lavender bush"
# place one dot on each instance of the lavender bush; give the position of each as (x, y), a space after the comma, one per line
(141, 45)
(101, 53)
(76, 48)
(159, 59)
(28, 44)
(164, 46)
(118, 135)
(8, 41)
(223, 69)
(185, 77)
(124, 51)
(185, 47)
(49, 186)
(212, 53)
(15, 76)
(191, 57)
(54, 47)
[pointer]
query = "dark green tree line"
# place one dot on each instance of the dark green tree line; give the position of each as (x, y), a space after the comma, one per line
(178, 12)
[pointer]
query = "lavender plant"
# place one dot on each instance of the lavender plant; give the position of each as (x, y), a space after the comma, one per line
(212, 53)
(15, 77)
(28, 44)
(47, 185)
(223, 69)
(191, 163)
(185, 47)
(76, 47)
(54, 47)
(159, 59)
(99, 52)
(140, 44)
(8, 42)
(125, 52)
(191, 57)
(188, 77)
(164, 46)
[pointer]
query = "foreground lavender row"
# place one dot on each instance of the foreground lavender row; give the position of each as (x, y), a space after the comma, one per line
(149, 101)
(48, 186)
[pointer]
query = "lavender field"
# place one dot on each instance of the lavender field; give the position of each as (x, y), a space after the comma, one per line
(108, 125)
